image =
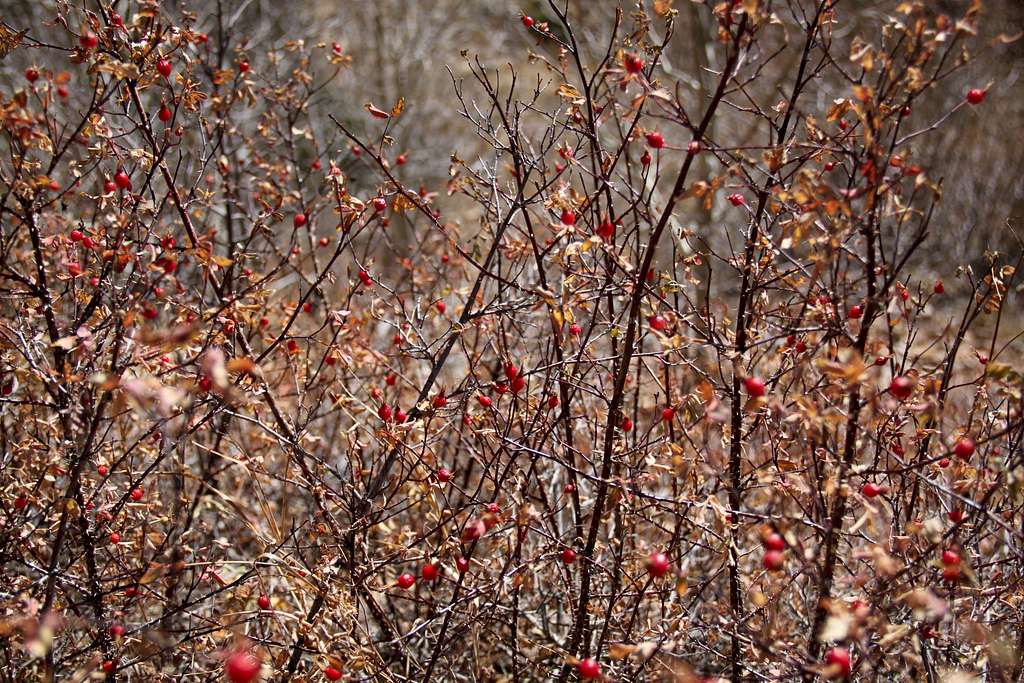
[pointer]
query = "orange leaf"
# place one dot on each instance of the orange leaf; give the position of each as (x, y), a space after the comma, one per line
(399, 106)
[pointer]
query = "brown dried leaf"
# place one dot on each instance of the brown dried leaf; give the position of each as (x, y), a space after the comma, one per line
(396, 110)
(617, 651)
(244, 365)
(377, 113)
(9, 40)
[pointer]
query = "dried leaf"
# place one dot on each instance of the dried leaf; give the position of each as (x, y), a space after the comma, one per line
(836, 627)
(396, 110)
(617, 651)
(377, 113)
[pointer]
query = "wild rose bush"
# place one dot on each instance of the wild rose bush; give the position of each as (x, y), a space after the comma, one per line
(273, 409)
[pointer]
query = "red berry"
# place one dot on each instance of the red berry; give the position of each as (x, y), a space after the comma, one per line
(332, 674)
(939, 287)
(108, 666)
(950, 557)
(633, 63)
(568, 556)
(102, 470)
(440, 306)
(384, 412)
(20, 503)
(88, 40)
(406, 581)
(627, 424)
(737, 199)
(122, 180)
(655, 140)
(443, 475)
(137, 494)
(462, 564)
(430, 571)
(552, 401)
(606, 229)
(657, 564)
(839, 657)
(31, 75)
(299, 220)
(575, 330)
(243, 66)
(263, 602)
(645, 159)
(568, 217)
(109, 186)
(951, 573)
(527, 21)
(379, 204)
(773, 560)
(870, 490)
(976, 96)
(242, 666)
(76, 235)
(440, 401)
(668, 414)
(956, 515)
(401, 159)
(116, 630)
(901, 387)
(855, 312)
(657, 323)
(589, 669)
(964, 447)
(518, 384)
(754, 386)
(164, 67)
(775, 542)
